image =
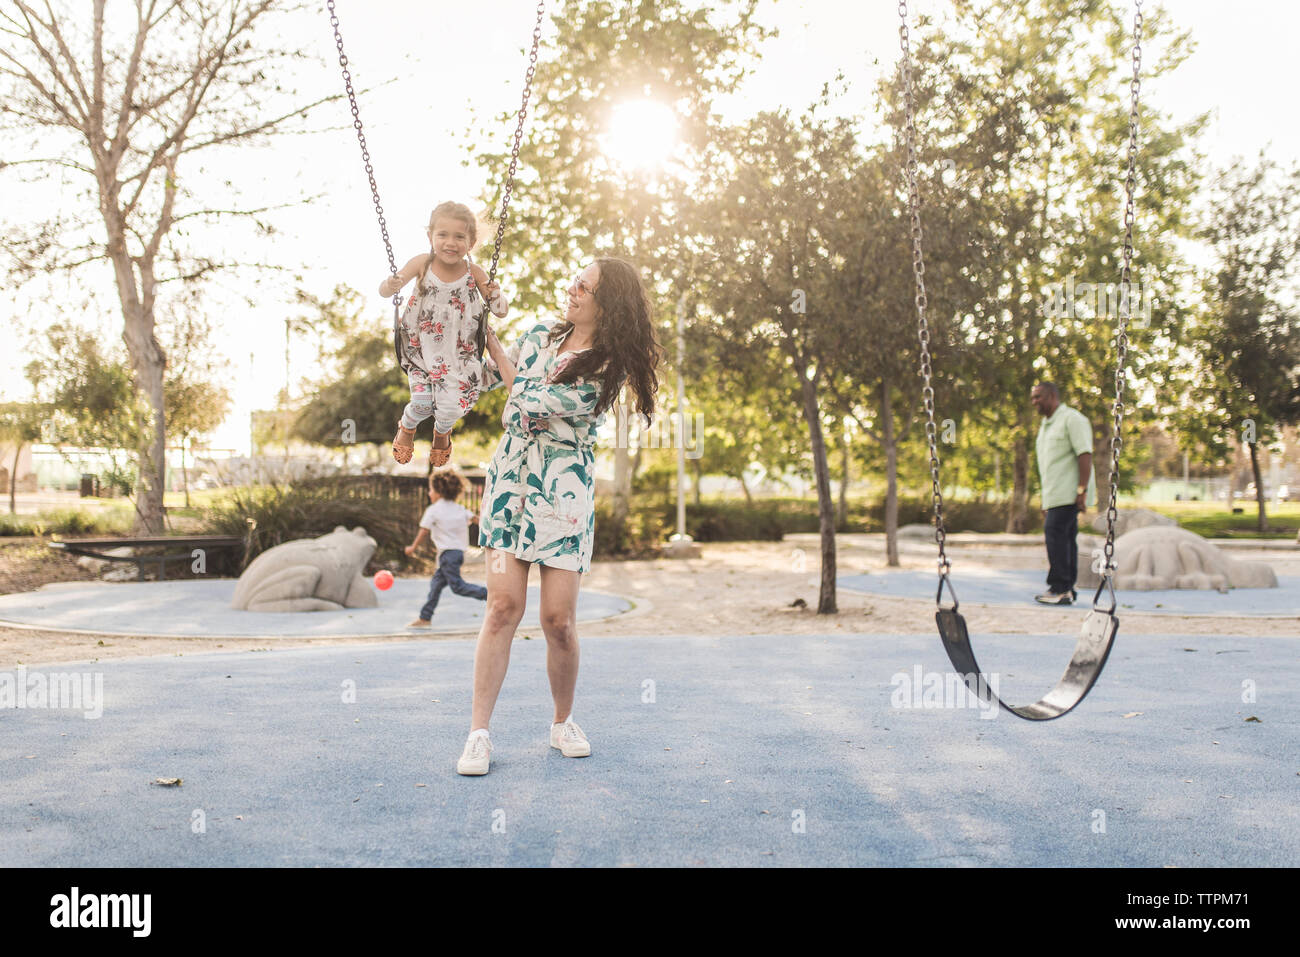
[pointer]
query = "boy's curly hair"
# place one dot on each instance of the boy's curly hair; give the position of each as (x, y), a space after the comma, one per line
(447, 484)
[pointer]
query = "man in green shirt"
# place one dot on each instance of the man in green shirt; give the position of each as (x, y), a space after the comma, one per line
(1065, 473)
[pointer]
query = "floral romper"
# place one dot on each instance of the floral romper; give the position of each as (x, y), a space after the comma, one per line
(539, 498)
(437, 343)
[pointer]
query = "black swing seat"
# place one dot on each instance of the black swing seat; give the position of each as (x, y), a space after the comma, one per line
(1090, 653)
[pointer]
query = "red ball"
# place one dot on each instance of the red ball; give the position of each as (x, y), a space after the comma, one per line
(383, 579)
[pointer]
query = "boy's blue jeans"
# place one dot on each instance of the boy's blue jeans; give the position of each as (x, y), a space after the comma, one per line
(448, 576)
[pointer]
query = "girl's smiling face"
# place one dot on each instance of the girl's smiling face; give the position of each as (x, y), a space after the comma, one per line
(449, 239)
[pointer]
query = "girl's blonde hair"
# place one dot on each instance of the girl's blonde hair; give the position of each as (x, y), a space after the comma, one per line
(450, 210)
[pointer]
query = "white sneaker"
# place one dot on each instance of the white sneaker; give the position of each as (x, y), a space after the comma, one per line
(1055, 598)
(568, 737)
(474, 759)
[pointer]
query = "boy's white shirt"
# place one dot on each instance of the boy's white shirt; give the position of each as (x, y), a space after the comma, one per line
(448, 524)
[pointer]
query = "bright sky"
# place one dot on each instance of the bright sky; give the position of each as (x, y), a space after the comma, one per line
(447, 55)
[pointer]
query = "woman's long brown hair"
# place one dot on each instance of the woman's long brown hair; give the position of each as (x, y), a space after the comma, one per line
(624, 348)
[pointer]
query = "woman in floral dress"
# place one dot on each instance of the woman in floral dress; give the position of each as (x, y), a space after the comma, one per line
(538, 503)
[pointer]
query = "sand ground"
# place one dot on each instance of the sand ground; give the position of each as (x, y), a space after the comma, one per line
(735, 588)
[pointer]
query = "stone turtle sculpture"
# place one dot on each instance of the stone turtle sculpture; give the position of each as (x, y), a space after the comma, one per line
(310, 574)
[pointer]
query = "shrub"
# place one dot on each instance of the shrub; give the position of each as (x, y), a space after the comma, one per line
(273, 514)
(649, 525)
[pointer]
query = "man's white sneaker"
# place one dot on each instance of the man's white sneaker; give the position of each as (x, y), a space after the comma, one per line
(568, 737)
(1055, 598)
(474, 760)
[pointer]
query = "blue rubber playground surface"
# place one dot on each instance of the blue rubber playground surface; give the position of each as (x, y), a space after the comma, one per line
(768, 751)
(980, 585)
(201, 609)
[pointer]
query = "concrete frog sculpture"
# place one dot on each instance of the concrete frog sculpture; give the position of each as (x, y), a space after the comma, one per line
(1158, 557)
(310, 574)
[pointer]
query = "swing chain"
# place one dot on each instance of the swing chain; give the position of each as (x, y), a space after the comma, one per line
(365, 150)
(1125, 301)
(918, 270)
(519, 136)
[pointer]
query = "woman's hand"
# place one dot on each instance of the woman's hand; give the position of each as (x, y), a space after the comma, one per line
(505, 367)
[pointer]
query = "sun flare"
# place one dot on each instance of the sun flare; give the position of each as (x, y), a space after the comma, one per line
(642, 134)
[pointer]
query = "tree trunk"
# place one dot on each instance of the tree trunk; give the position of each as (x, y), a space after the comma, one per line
(13, 479)
(744, 487)
(148, 361)
(135, 292)
(185, 475)
(1018, 508)
(698, 466)
(890, 442)
(1101, 469)
(622, 470)
(825, 504)
(1259, 486)
(842, 516)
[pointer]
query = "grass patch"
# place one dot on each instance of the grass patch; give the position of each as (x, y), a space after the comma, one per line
(70, 522)
(1215, 520)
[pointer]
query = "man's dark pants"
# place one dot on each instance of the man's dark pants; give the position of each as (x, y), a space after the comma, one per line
(448, 576)
(1061, 530)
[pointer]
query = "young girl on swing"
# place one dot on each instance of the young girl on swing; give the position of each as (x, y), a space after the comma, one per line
(438, 340)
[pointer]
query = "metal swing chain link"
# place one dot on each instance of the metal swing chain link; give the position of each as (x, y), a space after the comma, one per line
(918, 269)
(519, 136)
(1125, 301)
(365, 150)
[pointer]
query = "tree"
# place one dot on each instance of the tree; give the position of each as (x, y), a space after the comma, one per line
(91, 402)
(131, 107)
(1248, 337)
(777, 189)
(1033, 114)
(874, 369)
(20, 423)
(573, 201)
(738, 402)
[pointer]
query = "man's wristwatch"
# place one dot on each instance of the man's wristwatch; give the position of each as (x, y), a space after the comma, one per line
(1081, 490)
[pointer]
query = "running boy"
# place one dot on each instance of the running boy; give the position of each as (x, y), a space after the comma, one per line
(448, 525)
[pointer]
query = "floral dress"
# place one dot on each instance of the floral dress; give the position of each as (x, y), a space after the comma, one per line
(539, 498)
(437, 342)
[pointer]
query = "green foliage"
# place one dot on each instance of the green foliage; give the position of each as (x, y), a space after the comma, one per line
(576, 202)
(273, 514)
(88, 388)
(768, 520)
(1029, 103)
(1249, 335)
(363, 385)
(20, 424)
(1245, 383)
(92, 401)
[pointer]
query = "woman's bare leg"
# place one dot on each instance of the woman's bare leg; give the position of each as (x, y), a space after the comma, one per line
(560, 625)
(507, 585)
